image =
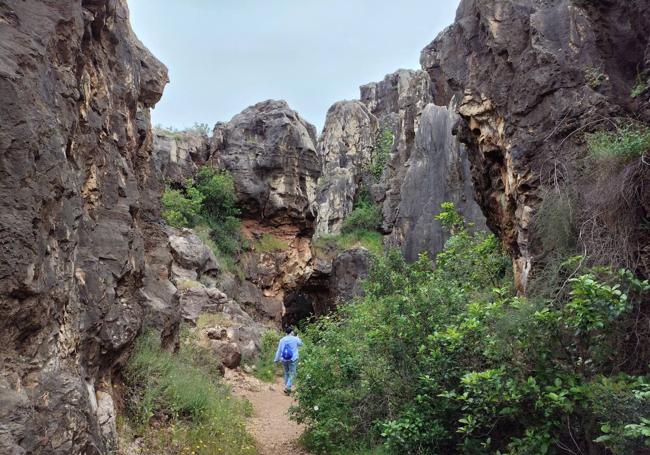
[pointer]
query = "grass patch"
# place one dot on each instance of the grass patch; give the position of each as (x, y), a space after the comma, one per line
(625, 142)
(265, 369)
(212, 320)
(268, 243)
(370, 240)
(185, 284)
(178, 404)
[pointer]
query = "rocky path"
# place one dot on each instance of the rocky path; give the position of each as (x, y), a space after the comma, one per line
(274, 433)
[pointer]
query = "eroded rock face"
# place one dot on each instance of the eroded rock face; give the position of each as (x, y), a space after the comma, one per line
(555, 68)
(436, 171)
(427, 165)
(271, 153)
(345, 147)
(178, 155)
(78, 194)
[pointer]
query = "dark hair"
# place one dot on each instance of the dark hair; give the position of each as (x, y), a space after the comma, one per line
(288, 330)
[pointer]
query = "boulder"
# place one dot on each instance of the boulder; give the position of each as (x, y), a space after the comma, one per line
(179, 154)
(191, 253)
(227, 352)
(271, 153)
(199, 299)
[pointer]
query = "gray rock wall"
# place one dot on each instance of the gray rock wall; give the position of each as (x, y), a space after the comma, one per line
(78, 197)
(529, 78)
(427, 164)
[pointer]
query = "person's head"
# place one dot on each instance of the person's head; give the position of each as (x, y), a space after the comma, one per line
(288, 330)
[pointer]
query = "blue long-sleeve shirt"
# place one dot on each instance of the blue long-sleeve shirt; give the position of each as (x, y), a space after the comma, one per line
(294, 343)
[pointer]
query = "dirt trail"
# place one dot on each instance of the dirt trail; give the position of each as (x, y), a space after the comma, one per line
(274, 433)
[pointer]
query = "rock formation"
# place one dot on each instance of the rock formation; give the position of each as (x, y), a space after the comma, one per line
(78, 215)
(527, 76)
(427, 164)
(178, 155)
(271, 153)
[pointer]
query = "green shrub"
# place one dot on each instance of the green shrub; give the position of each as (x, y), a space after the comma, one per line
(381, 153)
(268, 243)
(265, 369)
(224, 251)
(202, 128)
(443, 357)
(625, 142)
(182, 392)
(363, 218)
(182, 209)
(219, 197)
(208, 200)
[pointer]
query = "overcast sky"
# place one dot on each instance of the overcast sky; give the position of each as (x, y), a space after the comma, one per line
(224, 55)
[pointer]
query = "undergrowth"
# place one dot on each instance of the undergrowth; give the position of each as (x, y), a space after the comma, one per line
(268, 243)
(178, 405)
(442, 356)
(208, 204)
(626, 141)
(265, 369)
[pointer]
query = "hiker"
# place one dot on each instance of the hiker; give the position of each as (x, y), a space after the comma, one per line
(287, 353)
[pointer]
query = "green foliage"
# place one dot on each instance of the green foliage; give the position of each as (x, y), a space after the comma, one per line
(219, 197)
(208, 200)
(370, 240)
(626, 142)
(622, 406)
(362, 218)
(381, 153)
(641, 85)
(182, 209)
(182, 392)
(443, 358)
(265, 368)
(268, 243)
(221, 252)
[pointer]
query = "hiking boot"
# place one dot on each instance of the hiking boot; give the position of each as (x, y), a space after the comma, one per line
(287, 391)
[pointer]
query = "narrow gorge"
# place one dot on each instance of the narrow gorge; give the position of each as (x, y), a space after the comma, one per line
(98, 248)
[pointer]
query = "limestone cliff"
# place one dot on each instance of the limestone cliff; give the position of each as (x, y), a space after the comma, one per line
(529, 78)
(78, 214)
(427, 164)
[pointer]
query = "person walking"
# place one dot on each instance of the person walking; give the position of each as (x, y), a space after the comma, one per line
(287, 353)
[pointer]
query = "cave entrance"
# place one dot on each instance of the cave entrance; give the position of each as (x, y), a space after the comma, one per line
(313, 298)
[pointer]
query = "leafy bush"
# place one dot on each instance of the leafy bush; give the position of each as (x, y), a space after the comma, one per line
(362, 218)
(219, 197)
(201, 128)
(208, 200)
(182, 209)
(265, 368)
(442, 357)
(181, 392)
(626, 142)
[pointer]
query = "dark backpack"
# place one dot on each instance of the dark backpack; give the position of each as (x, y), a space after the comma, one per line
(287, 353)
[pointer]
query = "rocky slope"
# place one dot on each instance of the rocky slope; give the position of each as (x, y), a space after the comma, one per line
(529, 77)
(78, 216)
